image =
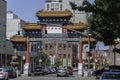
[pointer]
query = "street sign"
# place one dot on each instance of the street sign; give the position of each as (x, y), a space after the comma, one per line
(55, 39)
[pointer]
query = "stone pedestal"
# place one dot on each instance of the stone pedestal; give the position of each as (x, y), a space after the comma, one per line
(85, 73)
(26, 68)
(80, 69)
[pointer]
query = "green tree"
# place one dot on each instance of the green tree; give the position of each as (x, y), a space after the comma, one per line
(105, 19)
(58, 62)
(44, 57)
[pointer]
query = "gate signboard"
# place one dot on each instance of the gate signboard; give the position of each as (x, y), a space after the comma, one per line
(55, 39)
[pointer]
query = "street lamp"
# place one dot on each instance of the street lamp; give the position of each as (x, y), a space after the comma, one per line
(89, 50)
(40, 61)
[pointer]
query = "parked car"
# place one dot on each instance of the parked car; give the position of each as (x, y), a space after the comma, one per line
(98, 73)
(3, 74)
(110, 76)
(41, 70)
(52, 70)
(69, 69)
(75, 69)
(11, 71)
(46, 70)
(56, 68)
(62, 73)
(37, 71)
(115, 70)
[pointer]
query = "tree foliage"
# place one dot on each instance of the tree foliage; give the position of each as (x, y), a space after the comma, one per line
(58, 62)
(44, 57)
(105, 19)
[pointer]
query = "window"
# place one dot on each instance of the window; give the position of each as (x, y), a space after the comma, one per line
(56, 6)
(69, 46)
(57, 19)
(55, 28)
(60, 46)
(52, 7)
(59, 55)
(45, 31)
(48, 27)
(69, 55)
(50, 46)
(17, 44)
(20, 44)
(61, 7)
(64, 47)
(46, 46)
(61, 19)
(48, 6)
(64, 19)
(50, 19)
(64, 56)
(43, 19)
(53, 19)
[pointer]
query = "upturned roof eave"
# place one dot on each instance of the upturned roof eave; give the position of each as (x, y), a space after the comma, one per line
(18, 38)
(43, 13)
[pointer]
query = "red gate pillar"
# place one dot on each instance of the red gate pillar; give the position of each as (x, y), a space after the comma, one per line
(81, 47)
(27, 58)
(80, 65)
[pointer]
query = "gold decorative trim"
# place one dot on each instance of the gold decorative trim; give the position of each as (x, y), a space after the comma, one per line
(43, 13)
(79, 25)
(31, 26)
(85, 39)
(17, 38)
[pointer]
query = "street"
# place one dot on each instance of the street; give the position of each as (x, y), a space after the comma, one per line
(52, 77)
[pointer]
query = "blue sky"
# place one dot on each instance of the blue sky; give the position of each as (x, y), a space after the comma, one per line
(26, 9)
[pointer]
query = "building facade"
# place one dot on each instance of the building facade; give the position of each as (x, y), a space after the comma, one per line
(13, 25)
(6, 48)
(114, 57)
(61, 5)
(2, 32)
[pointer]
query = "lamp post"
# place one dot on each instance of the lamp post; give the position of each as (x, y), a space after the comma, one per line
(14, 61)
(40, 61)
(88, 34)
(75, 61)
(89, 50)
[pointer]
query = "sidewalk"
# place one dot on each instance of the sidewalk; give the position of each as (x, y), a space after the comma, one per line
(85, 74)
